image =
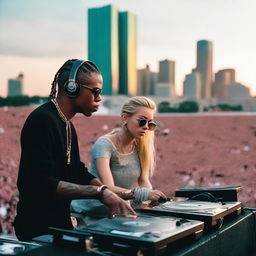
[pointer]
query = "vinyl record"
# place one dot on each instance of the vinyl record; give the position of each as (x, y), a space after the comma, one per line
(140, 224)
(189, 205)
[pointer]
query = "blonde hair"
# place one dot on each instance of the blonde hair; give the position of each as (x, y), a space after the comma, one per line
(145, 144)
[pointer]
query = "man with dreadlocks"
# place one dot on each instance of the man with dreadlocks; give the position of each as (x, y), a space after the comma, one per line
(50, 172)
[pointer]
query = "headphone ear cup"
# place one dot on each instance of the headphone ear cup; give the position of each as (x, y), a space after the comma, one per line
(71, 89)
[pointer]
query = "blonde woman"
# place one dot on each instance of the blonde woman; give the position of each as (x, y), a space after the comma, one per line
(124, 159)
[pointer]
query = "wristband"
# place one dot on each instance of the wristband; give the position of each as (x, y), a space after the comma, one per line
(141, 194)
(128, 194)
(101, 189)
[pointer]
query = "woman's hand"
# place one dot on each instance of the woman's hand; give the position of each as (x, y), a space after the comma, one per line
(155, 195)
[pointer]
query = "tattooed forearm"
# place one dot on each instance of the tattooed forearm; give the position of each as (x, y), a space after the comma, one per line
(75, 191)
(90, 189)
(106, 196)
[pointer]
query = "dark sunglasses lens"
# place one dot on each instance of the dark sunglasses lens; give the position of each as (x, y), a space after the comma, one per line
(97, 92)
(151, 126)
(142, 122)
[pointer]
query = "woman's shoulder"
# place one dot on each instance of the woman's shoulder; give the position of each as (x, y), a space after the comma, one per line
(104, 141)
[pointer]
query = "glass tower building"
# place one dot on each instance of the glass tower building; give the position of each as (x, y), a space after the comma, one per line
(112, 46)
(103, 45)
(204, 66)
(15, 86)
(127, 54)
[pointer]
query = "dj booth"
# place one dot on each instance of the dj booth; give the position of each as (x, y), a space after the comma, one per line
(191, 227)
(236, 238)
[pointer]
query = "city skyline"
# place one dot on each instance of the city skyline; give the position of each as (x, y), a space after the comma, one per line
(35, 38)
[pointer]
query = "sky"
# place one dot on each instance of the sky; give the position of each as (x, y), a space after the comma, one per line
(37, 37)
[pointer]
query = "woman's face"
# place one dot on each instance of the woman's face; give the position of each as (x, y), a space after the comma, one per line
(133, 121)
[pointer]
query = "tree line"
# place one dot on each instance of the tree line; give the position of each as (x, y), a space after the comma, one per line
(23, 100)
(193, 106)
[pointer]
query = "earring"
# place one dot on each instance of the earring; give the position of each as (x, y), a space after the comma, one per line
(125, 125)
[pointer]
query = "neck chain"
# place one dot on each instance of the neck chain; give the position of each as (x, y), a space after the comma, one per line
(68, 130)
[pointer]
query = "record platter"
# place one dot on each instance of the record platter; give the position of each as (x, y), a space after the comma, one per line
(13, 247)
(147, 232)
(212, 213)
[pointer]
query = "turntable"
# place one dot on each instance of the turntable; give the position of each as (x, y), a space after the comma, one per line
(13, 247)
(147, 233)
(212, 213)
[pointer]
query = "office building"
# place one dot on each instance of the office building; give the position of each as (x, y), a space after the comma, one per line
(103, 45)
(223, 78)
(204, 66)
(166, 79)
(112, 46)
(127, 53)
(146, 81)
(15, 86)
(192, 86)
(238, 91)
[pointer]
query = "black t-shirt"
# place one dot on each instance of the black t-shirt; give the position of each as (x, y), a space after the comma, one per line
(43, 164)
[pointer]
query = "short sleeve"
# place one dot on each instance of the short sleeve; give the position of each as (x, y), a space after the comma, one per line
(102, 148)
(85, 177)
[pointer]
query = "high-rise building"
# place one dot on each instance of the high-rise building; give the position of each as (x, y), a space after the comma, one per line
(223, 78)
(112, 46)
(15, 86)
(192, 86)
(103, 45)
(166, 79)
(146, 81)
(127, 53)
(204, 66)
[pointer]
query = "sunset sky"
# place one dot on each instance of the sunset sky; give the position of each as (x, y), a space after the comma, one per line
(37, 37)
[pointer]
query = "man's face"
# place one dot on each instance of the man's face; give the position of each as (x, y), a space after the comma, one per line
(88, 101)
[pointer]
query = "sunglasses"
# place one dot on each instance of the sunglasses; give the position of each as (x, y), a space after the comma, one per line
(151, 125)
(95, 91)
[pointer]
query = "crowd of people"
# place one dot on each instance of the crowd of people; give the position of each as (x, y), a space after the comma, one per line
(8, 195)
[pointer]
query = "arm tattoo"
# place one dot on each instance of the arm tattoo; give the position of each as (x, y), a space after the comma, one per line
(107, 196)
(90, 189)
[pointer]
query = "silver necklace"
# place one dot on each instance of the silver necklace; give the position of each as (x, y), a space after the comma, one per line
(68, 130)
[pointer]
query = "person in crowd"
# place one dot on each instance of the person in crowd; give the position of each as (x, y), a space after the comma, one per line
(50, 172)
(124, 159)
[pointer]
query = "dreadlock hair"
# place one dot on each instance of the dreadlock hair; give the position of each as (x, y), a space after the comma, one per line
(62, 75)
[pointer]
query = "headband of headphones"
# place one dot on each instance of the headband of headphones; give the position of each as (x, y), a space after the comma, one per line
(71, 87)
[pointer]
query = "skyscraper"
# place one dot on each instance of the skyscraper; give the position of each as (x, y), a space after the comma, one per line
(192, 86)
(15, 86)
(204, 66)
(146, 81)
(103, 45)
(166, 79)
(127, 53)
(223, 78)
(112, 46)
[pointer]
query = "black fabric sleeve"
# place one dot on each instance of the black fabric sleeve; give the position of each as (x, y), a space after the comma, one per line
(85, 175)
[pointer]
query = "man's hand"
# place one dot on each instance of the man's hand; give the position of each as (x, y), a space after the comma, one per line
(116, 205)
